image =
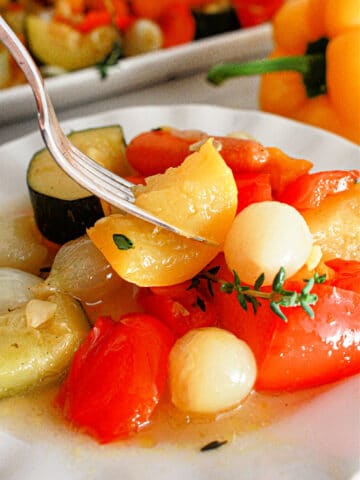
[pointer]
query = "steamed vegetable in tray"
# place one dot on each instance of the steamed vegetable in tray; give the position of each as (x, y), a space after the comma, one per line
(68, 35)
(124, 317)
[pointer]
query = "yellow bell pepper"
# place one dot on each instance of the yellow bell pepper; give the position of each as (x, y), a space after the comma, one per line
(316, 60)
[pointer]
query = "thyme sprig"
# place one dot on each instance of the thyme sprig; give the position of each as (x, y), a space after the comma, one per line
(278, 296)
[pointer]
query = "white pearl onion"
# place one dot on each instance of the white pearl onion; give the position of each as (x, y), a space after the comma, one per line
(211, 370)
(264, 237)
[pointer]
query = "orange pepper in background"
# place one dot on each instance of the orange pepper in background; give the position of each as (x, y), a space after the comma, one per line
(315, 66)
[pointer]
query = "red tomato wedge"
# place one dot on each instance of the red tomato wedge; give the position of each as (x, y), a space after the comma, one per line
(347, 274)
(117, 376)
(304, 352)
(308, 191)
(252, 187)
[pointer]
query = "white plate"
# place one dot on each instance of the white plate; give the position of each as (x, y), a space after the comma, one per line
(320, 440)
(132, 73)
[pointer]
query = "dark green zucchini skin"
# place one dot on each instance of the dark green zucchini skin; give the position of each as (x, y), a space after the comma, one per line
(208, 24)
(63, 220)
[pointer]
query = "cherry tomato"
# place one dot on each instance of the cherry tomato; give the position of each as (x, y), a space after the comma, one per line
(117, 376)
(309, 190)
(177, 25)
(255, 12)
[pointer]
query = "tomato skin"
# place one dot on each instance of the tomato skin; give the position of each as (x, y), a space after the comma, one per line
(302, 353)
(307, 353)
(117, 376)
(152, 152)
(252, 187)
(309, 190)
(177, 25)
(178, 307)
(284, 169)
(347, 274)
(255, 12)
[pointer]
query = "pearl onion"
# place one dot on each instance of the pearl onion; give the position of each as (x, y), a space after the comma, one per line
(211, 370)
(264, 237)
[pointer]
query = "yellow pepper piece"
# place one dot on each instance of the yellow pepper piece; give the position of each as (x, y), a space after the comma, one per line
(313, 74)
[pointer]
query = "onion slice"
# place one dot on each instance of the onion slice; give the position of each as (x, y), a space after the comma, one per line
(15, 288)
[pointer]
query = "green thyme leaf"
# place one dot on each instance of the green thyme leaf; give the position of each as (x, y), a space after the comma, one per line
(309, 285)
(213, 445)
(214, 270)
(277, 310)
(242, 300)
(319, 278)
(259, 281)
(201, 304)
(279, 280)
(306, 307)
(227, 287)
(122, 242)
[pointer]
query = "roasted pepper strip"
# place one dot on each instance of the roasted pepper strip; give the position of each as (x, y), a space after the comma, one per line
(317, 63)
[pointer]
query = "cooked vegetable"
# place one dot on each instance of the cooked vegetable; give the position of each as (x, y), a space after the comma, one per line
(61, 45)
(15, 288)
(141, 37)
(308, 191)
(117, 377)
(180, 307)
(335, 224)
(153, 152)
(317, 64)
(63, 209)
(263, 238)
(20, 244)
(177, 25)
(212, 19)
(255, 12)
(303, 352)
(199, 195)
(80, 270)
(32, 357)
(210, 370)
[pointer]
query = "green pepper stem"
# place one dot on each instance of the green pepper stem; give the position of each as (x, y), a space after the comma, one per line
(311, 66)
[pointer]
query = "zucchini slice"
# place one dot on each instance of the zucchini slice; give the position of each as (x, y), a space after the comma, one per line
(32, 357)
(63, 210)
(58, 44)
(214, 18)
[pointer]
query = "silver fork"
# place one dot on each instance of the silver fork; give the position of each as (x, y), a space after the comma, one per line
(89, 174)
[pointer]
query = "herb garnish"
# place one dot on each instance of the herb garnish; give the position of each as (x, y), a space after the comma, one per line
(212, 445)
(278, 296)
(122, 242)
(111, 59)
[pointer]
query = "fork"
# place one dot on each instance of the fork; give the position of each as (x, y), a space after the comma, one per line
(93, 177)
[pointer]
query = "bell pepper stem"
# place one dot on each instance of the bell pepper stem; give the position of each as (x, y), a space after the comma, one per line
(312, 68)
(299, 63)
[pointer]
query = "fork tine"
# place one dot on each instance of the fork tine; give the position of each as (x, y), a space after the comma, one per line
(102, 170)
(98, 172)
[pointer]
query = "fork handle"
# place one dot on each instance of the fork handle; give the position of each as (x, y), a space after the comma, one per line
(46, 116)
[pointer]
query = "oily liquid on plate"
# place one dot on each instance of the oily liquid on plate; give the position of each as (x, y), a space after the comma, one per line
(33, 416)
